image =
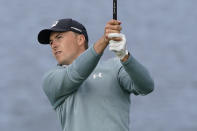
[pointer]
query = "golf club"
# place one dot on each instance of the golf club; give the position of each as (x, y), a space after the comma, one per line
(115, 9)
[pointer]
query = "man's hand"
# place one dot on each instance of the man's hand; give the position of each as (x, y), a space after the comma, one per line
(118, 47)
(113, 26)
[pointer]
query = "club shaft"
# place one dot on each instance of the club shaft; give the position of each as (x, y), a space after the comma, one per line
(115, 9)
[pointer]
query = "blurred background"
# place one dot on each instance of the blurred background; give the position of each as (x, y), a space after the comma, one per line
(161, 34)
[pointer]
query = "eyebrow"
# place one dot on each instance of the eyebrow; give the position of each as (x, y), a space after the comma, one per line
(56, 36)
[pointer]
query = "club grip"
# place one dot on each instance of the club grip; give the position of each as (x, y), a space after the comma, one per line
(115, 9)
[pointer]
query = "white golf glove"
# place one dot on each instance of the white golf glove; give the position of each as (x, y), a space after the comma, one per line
(118, 47)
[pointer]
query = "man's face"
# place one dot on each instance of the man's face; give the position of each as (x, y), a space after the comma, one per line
(64, 46)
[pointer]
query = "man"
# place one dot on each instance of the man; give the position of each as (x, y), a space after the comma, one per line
(86, 94)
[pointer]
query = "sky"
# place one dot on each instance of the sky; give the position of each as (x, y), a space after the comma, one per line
(161, 34)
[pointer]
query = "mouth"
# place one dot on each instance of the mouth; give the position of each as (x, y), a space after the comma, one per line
(58, 52)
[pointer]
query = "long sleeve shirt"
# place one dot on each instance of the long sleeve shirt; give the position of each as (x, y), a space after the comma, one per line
(89, 95)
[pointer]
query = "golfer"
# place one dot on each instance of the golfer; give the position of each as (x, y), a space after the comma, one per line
(86, 93)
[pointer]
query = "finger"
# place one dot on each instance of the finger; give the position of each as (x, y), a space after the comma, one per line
(113, 38)
(114, 22)
(114, 27)
(116, 38)
(112, 31)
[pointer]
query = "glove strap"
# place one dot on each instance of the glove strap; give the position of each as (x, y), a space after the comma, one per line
(121, 55)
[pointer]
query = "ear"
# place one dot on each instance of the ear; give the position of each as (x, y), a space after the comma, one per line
(81, 40)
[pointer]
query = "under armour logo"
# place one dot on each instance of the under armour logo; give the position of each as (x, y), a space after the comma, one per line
(55, 23)
(99, 75)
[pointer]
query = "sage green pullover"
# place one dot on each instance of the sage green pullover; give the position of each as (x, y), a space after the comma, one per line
(89, 95)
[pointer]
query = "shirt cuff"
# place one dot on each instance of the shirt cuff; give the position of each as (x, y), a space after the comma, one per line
(94, 52)
(131, 59)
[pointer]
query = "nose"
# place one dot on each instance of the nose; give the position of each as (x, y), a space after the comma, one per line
(54, 44)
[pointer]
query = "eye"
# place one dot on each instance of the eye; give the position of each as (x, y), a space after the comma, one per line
(59, 37)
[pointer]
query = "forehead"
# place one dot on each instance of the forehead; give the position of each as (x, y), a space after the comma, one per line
(54, 34)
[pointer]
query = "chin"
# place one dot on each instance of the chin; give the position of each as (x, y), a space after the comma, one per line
(63, 62)
(60, 62)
